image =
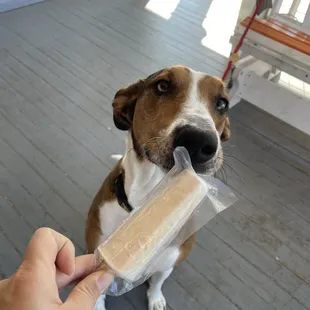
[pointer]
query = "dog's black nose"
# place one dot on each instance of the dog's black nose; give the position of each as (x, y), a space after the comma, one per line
(201, 145)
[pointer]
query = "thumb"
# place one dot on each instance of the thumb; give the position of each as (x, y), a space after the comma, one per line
(86, 293)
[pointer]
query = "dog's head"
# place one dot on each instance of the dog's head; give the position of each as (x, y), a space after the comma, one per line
(175, 107)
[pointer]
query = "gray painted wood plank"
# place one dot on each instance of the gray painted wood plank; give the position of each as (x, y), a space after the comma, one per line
(287, 280)
(283, 210)
(137, 297)
(31, 66)
(243, 245)
(297, 204)
(102, 69)
(261, 238)
(60, 64)
(118, 303)
(55, 145)
(27, 31)
(225, 281)
(98, 59)
(250, 182)
(259, 158)
(302, 294)
(176, 295)
(178, 298)
(35, 137)
(294, 305)
(63, 31)
(10, 259)
(33, 181)
(156, 53)
(288, 227)
(87, 74)
(257, 279)
(251, 213)
(285, 135)
(183, 37)
(62, 119)
(68, 107)
(8, 39)
(201, 289)
(270, 216)
(174, 29)
(264, 153)
(254, 161)
(188, 23)
(72, 79)
(25, 205)
(103, 97)
(93, 35)
(94, 109)
(19, 199)
(144, 36)
(278, 136)
(14, 226)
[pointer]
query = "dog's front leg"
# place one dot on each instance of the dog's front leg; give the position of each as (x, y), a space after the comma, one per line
(155, 296)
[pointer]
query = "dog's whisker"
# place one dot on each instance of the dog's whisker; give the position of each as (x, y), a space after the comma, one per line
(147, 141)
(231, 168)
(224, 174)
(231, 156)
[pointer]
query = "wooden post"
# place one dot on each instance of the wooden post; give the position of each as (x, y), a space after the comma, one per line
(306, 23)
(276, 7)
(294, 7)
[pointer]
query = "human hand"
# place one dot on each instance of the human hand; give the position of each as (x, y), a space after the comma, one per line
(48, 266)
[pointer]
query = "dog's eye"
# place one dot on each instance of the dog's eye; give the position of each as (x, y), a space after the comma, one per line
(222, 104)
(162, 86)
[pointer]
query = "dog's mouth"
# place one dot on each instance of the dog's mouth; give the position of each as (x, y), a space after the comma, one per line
(207, 168)
(166, 162)
(203, 147)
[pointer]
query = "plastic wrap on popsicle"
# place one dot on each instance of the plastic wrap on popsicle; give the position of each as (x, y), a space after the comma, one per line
(175, 209)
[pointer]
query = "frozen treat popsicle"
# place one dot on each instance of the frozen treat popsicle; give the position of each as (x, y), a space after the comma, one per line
(138, 241)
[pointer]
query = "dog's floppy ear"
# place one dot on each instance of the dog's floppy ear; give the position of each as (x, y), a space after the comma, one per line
(124, 105)
(226, 131)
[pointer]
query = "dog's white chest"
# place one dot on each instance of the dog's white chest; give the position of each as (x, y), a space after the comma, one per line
(111, 216)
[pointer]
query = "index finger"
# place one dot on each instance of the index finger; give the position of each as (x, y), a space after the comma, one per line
(50, 247)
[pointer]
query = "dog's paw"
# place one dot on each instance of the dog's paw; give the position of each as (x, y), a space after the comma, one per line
(157, 300)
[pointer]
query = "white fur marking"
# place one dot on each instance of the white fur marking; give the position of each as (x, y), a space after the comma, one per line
(140, 176)
(111, 216)
(193, 109)
(155, 296)
(166, 260)
(194, 106)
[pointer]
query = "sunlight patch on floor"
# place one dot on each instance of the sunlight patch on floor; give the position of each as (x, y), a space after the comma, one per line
(163, 8)
(219, 24)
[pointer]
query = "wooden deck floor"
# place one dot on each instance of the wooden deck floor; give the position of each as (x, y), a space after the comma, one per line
(61, 62)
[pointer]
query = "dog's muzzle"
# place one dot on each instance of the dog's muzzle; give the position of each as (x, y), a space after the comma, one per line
(201, 145)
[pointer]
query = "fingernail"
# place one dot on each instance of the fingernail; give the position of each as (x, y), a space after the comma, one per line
(104, 280)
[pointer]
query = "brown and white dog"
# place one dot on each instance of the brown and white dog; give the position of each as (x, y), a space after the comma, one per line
(174, 107)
